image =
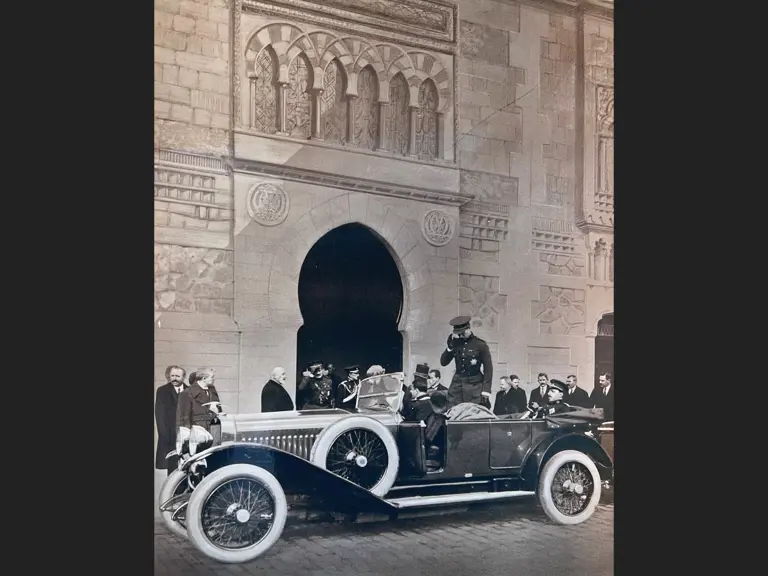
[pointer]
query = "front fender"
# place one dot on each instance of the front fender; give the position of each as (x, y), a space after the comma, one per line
(548, 447)
(296, 476)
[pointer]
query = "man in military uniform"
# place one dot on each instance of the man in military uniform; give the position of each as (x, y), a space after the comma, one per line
(556, 391)
(315, 388)
(469, 383)
(347, 390)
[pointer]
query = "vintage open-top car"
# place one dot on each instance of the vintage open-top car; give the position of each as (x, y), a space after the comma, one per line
(232, 499)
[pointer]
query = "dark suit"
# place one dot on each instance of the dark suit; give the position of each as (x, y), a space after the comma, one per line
(599, 400)
(275, 398)
(578, 397)
(538, 397)
(165, 413)
(510, 402)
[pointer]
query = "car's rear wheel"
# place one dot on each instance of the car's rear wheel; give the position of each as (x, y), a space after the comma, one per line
(236, 513)
(174, 485)
(361, 450)
(569, 487)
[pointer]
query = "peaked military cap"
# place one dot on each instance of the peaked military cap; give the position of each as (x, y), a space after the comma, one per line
(460, 323)
(558, 385)
(353, 368)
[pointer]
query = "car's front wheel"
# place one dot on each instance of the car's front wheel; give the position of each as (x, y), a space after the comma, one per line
(236, 513)
(569, 487)
(174, 485)
(361, 450)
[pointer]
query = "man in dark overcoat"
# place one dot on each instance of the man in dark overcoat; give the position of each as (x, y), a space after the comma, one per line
(539, 395)
(274, 396)
(472, 379)
(511, 398)
(165, 414)
(576, 396)
(602, 396)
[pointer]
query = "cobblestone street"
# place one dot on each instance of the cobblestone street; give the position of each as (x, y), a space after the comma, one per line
(510, 538)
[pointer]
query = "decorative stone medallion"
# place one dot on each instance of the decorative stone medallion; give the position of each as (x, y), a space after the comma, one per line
(437, 228)
(268, 204)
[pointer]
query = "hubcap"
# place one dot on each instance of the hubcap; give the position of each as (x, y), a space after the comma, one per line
(572, 488)
(359, 456)
(242, 516)
(361, 461)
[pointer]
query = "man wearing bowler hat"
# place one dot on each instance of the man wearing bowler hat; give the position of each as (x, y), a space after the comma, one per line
(474, 368)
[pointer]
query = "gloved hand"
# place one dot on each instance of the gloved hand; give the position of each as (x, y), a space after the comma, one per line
(452, 341)
(485, 401)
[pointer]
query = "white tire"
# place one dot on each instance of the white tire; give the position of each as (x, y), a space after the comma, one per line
(256, 490)
(169, 489)
(356, 460)
(578, 486)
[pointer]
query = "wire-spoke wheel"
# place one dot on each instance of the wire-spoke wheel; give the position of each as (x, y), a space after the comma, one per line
(236, 513)
(174, 485)
(359, 449)
(569, 487)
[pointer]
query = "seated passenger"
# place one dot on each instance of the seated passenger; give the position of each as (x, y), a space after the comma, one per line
(556, 390)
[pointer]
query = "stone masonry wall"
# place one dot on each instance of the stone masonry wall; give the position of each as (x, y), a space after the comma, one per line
(192, 79)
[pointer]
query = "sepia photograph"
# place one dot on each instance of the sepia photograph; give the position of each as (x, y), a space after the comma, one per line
(383, 287)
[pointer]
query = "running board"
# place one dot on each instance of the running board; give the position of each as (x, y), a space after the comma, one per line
(418, 501)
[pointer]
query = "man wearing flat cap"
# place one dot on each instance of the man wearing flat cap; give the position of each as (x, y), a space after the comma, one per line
(346, 393)
(474, 368)
(556, 391)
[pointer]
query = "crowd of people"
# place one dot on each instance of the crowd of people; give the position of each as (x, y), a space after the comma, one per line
(183, 408)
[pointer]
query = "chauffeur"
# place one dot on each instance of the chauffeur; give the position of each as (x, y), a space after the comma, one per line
(469, 383)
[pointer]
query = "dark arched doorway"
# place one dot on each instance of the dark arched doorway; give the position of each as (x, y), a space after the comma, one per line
(351, 299)
(604, 347)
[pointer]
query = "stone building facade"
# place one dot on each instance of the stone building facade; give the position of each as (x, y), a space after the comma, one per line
(474, 138)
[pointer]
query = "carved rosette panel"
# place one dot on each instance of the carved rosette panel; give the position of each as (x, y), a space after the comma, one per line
(268, 204)
(333, 104)
(265, 93)
(559, 310)
(437, 228)
(367, 110)
(426, 121)
(397, 118)
(480, 299)
(298, 114)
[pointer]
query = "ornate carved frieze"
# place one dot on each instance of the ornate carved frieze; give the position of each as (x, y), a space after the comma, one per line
(480, 298)
(553, 236)
(268, 204)
(598, 200)
(484, 226)
(560, 310)
(348, 183)
(437, 228)
(424, 23)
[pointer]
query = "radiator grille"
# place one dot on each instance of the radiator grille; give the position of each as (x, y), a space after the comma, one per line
(299, 444)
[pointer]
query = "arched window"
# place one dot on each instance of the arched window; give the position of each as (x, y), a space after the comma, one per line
(426, 121)
(367, 109)
(298, 117)
(264, 93)
(397, 116)
(333, 104)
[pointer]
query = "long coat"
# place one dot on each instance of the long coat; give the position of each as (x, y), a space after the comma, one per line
(191, 412)
(538, 397)
(605, 401)
(165, 414)
(275, 398)
(510, 402)
(578, 397)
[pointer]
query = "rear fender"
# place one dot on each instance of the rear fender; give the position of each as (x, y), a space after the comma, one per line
(296, 476)
(548, 447)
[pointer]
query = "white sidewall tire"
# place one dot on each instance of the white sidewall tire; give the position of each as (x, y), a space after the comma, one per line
(167, 491)
(329, 435)
(204, 490)
(545, 487)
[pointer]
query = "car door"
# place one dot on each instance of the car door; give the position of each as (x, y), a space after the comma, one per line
(509, 443)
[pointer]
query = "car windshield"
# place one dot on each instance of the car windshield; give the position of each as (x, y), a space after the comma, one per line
(381, 392)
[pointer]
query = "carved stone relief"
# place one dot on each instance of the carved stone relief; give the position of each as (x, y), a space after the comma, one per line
(604, 194)
(264, 85)
(298, 115)
(480, 298)
(268, 204)
(437, 228)
(559, 310)
(426, 121)
(333, 104)
(367, 110)
(397, 118)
